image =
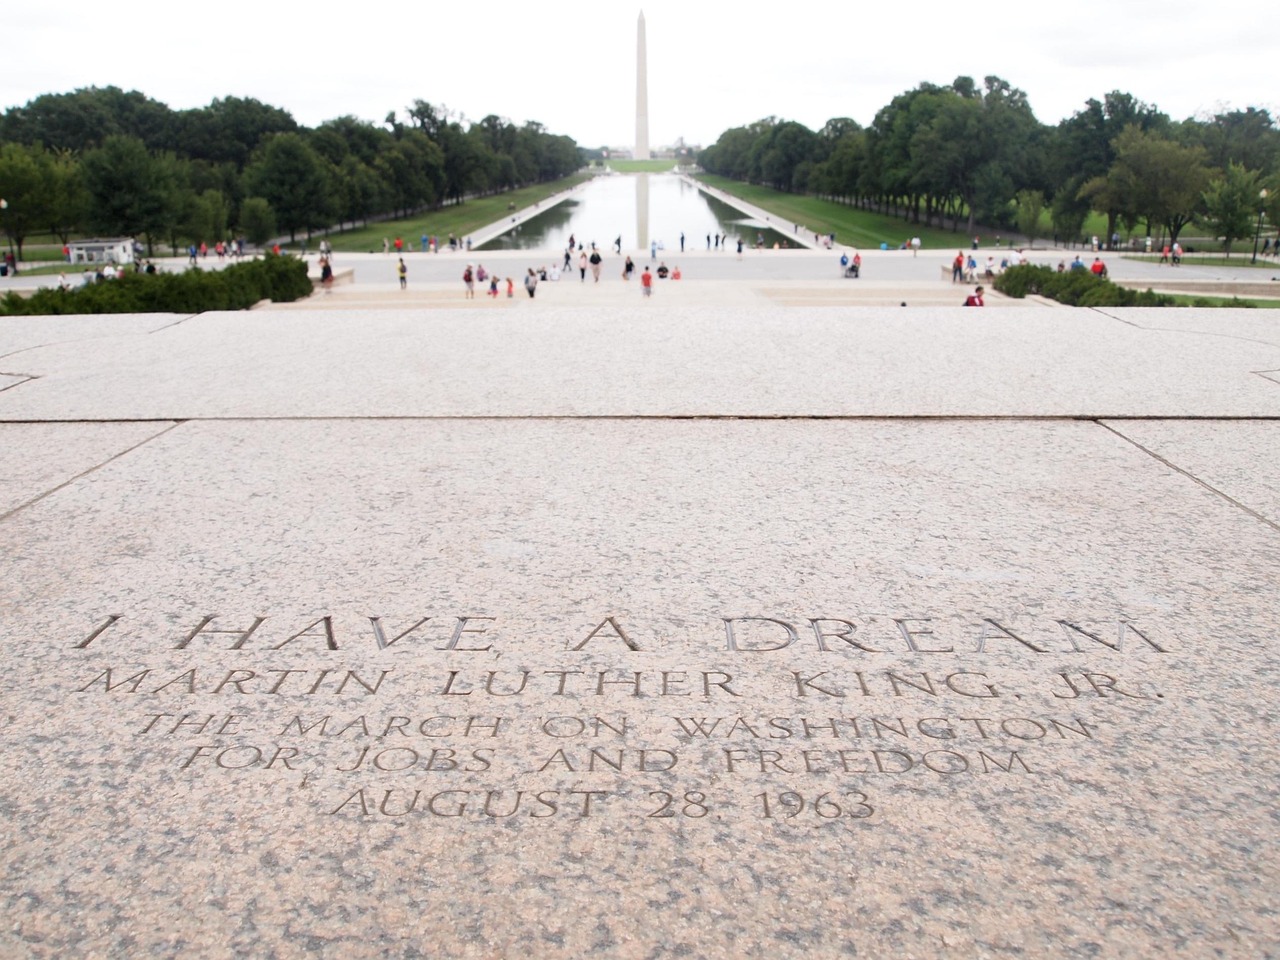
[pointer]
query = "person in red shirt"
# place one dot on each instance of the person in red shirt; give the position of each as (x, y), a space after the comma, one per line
(1099, 269)
(646, 283)
(975, 299)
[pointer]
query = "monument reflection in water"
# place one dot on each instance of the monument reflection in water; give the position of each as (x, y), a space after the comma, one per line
(639, 207)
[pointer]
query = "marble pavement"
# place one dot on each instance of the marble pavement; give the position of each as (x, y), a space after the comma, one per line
(651, 630)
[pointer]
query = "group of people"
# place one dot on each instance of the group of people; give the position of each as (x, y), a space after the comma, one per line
(430, 244)
(535, 275)
(198, 252)
(482, 276)
(1098, 268)
(965, 269)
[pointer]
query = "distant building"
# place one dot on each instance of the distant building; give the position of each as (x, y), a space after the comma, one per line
(95, 250)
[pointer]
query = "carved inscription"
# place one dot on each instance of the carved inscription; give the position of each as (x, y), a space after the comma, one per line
(790, 719)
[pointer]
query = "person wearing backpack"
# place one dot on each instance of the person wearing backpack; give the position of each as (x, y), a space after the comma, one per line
(975, 299)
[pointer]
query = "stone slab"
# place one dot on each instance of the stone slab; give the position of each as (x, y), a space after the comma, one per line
(19, 334)
(1034, 662)
(628, 360)
(39, 457)
(1262, 326)
(1233, 458)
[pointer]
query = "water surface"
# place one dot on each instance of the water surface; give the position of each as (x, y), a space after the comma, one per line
(640, 208)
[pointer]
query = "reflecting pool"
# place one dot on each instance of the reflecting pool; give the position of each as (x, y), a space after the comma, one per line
(639, 208)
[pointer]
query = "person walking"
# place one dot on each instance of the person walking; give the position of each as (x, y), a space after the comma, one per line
(646, 283)
(531, 283)
(628, 268)
(596, 261)
(582, 267)
(957, 267)
(403, 271)
(468, 281)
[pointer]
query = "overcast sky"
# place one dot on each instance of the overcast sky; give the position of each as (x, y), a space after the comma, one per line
(712, 66)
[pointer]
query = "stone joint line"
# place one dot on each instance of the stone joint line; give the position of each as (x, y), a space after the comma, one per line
(1192, 477)
(84, 473)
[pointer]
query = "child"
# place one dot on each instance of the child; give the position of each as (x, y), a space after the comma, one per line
(493, 287)
(511, 288)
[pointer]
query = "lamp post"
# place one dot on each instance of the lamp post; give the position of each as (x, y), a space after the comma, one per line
(1262, 206)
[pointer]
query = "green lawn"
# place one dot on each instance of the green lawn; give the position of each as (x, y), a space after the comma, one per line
(1196, 300)
(1210, 260)
(460, 219)
(851, 226)
(42, 252)
(49, 271)
(641, 166)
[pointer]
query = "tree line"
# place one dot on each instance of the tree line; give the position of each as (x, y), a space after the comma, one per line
(107, 161)
(964, 154)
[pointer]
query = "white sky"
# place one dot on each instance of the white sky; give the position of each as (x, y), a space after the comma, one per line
(712, 66)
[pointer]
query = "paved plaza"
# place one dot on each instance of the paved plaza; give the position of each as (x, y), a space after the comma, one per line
(764, 618)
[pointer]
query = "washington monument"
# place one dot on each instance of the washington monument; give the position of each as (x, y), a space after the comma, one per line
(642, 94)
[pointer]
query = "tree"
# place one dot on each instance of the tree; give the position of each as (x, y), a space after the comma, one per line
(257, 220)
(412, 170)
(229, 130)
(206, 217)
(1248, 137)
(360, 190)
(1030, 205)
(129, 190)
(1164, 179)
(290, 175)
(87, 117)
(68, 197)
(1231, 203)
(175, 198)
(1068, 212)
(25, 191)
(1078, 155)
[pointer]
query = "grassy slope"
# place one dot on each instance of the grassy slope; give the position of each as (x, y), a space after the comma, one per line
(459, 219)
(851, 226)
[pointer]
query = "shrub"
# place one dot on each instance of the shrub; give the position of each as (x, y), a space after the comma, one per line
(238, 287)
(1078, 288)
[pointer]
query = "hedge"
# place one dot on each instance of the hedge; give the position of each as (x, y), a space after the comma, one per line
(238, 287)
(1079, 288)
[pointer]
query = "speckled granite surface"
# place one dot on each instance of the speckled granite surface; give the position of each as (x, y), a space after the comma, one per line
(39, 457)
(628, 361)
(635, 688)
